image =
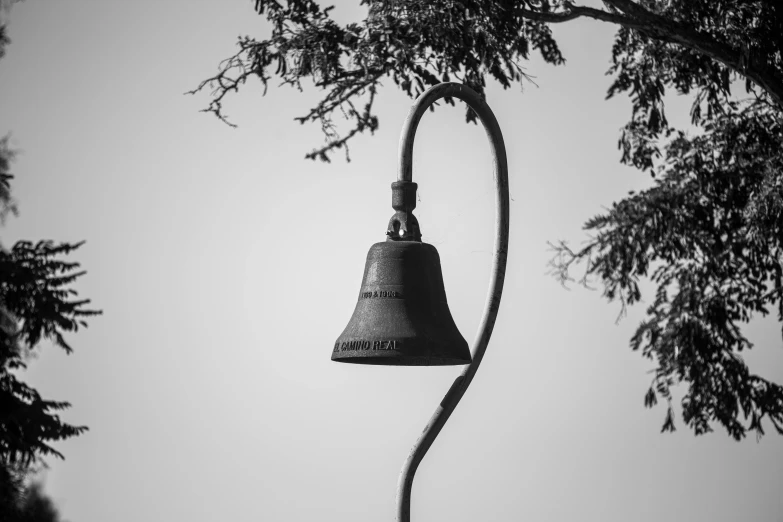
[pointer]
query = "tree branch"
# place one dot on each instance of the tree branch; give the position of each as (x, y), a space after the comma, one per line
(574, 12)
(663, 29)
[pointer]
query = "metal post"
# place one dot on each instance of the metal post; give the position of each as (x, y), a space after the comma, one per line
(500, 252)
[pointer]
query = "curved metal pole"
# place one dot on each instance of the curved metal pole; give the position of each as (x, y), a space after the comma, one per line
(500, 252)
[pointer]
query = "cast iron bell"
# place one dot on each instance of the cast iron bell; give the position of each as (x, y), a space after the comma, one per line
(402, 317)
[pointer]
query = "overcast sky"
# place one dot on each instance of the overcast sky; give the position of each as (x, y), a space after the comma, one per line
(227, 265)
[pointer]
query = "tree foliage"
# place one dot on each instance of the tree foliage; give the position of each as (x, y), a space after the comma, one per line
(707, 233)
(37, 506)
(417, 44)
(7, 203)
(22, 502)
(37, 302)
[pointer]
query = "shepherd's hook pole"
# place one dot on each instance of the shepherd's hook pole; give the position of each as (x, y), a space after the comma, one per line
(500, 252)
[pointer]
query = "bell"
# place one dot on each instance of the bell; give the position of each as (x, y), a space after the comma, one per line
(402, 317)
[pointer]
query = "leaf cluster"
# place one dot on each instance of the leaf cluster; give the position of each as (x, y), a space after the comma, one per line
(709, 234)
(36, 303)
(646, 65)
(415, 43)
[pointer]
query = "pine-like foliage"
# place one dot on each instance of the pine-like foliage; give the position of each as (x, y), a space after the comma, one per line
(37, 303)
(708, 233)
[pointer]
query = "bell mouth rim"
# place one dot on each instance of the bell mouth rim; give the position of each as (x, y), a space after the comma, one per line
(401, 360)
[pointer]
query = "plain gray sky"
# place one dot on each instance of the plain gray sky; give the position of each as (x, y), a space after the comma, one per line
(227, 265)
